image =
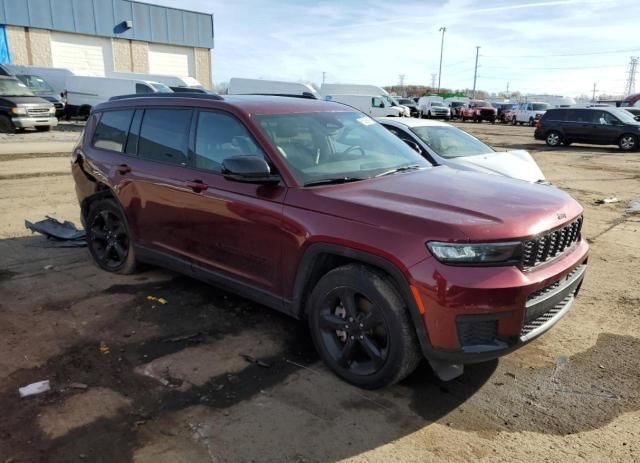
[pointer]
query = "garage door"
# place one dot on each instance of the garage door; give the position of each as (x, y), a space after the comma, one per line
(166, 59)
(82, 54)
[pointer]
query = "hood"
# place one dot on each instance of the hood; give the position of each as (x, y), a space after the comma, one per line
(486, 107)
(440, 203)
(516, 164)
(22, 100)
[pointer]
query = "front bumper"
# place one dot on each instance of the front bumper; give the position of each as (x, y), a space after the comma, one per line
(37, 121)
(474, 314)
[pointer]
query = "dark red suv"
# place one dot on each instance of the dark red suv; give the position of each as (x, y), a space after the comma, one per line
(316, 210)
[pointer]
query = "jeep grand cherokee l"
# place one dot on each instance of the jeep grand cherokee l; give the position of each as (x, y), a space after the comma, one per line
(316, 210)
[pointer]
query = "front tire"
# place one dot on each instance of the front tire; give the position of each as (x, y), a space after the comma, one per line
(43, 128)
(6, 126)
(553, 139)
(361, 328)
(628, 142)
(108, 238)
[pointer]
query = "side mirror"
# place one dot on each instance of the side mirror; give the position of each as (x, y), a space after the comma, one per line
(413, 145)
(248, 169)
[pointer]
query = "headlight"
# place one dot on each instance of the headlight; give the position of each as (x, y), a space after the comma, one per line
(52, 110)
(476, 253)
(19, 111)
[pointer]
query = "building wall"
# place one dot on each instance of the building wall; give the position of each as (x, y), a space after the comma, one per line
(32, 47)
(140, 56)
(203, 67)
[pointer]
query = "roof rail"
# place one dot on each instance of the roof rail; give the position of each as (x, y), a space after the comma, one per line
(199, 96)
(307, 95)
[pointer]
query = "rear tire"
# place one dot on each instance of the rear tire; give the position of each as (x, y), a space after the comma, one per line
(109, 239)
(361, 328)
(6, 126)
(514, 121)
(43, 128)
(628, 142)
(532, 122)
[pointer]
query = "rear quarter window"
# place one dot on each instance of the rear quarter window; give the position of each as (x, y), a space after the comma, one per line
(554, 115)
(112, 129)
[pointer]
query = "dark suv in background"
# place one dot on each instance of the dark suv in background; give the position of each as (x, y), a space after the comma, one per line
(598, 126)
(316, 210)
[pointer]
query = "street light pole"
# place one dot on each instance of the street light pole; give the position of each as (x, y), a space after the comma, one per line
(475, 74)
(443, 30)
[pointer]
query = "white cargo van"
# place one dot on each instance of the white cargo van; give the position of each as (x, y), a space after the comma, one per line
(373, 105)
(168, 80)
(84, 92)
(240, 86)
(363, 89)
(55, 77)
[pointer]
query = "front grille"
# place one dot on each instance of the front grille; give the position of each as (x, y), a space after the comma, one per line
(58, 105)
(546, 317)
(552, 287)
(473, 333)
(546, 247)
(487, 112)
(37, 111)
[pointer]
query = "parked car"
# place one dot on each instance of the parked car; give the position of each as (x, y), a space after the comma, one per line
(318, 211)
(634, 111)
(431, 108)
(456, 109)
(529, 113)
(443, 144)
(409, 103)
(631, 101)
(598, 126)
(84, 92)
(504, 109)
(508, 115)
(55, 77)
(478, 111)
(372, 105)
(363, 89)
(20, 108)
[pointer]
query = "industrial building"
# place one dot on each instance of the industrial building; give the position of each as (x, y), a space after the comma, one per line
(95, 37)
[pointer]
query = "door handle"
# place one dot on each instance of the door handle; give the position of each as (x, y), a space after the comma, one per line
(123, 169)
(197, 185)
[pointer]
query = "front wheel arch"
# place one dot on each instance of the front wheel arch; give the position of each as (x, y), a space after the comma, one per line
(321, 258)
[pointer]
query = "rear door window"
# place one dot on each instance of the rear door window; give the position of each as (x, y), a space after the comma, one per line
(164, 135)
(111, 132)
(218, 137)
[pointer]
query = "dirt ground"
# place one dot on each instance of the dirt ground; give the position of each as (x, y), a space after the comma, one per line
(136, 380)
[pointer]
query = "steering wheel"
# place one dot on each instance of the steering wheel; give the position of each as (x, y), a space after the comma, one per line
(353, 148)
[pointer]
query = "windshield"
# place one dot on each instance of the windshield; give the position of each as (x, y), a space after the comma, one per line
(540, 106)
(406, 101)
(436, 103)
(13, 87)
(481, 103)
(37, 84)
(160, 88)
(450, 142)
(455, 104)
(390, 100)
(333, 145)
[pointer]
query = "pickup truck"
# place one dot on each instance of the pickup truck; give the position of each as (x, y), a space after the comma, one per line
(479, 111)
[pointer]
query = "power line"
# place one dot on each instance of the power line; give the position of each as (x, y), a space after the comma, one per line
(607, 52)
(553, 68)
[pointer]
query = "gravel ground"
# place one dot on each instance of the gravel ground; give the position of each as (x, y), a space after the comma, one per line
(136, 380)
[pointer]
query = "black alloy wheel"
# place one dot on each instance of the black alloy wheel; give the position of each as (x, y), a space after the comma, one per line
(108, 238)
(360, 327)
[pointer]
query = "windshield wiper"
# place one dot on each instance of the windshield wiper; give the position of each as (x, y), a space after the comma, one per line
(333, 181)
(399, 169)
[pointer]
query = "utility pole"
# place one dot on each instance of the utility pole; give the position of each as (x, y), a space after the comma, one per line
(475, 73)
(433, 80)
(401, 77)
(593, 99)
(630, 86)
(324, 75)
(507, 89)
(443, 30)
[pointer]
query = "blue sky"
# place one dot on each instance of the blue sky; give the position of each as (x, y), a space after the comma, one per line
(538, 46)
